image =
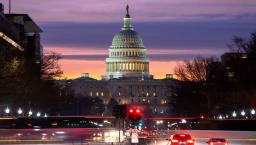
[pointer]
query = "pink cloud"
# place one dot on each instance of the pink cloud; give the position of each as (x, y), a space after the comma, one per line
(143, 10)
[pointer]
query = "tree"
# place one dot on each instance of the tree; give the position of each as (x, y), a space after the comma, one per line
(244, 64)
(27, 83)
(242, 45)
(195, 70)
(189, 99)
(50, 68)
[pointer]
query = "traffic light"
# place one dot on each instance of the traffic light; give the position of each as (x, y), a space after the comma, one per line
(119, 111)
(134, 114)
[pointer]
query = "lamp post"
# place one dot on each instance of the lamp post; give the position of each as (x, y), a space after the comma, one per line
(19, 111)
(234, 114)
(7, 111)
(252, 113)
(30, 112)
(243, 113)
(38, 114)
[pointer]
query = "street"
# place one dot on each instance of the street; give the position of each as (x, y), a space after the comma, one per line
(86, 136)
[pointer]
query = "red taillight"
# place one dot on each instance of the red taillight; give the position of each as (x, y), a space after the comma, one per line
(138, 110)
(211, 143)
(131, 110)
(174, 141)
(190, 141)
(226, 143)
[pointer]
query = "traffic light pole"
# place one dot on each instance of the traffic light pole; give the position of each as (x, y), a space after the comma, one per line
(119, 138)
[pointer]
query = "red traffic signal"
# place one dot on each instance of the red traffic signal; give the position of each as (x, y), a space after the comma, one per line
(130, 110)
(135, 114)
(138, 110)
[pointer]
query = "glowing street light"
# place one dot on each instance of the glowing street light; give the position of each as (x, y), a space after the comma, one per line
(253, 112)
(38, 114)
(7, 110)
(30, 112)
(243, 113)
(20, 111)
(234, 114)
(220, 117)
(159, 122)
(45, 115)
(183, 121)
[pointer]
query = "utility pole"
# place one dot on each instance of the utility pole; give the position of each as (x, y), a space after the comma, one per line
(10, 6)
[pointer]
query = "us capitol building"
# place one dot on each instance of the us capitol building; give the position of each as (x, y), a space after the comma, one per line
(127, 78)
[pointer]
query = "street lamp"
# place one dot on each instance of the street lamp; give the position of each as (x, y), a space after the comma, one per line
(45, 115)
(220, 117)
(20, 111)
(253, 112)
(243, 113)
(7, 110)
(234, 114)
(30, 112)
(38, 114)
(183, 121)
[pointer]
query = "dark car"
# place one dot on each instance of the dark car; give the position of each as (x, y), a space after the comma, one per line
(181, 139)
(217, 141)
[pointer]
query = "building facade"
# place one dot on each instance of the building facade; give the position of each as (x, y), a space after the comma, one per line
(127, 78)
(19, 34)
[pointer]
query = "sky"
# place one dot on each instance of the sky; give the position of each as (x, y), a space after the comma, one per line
(172, 30)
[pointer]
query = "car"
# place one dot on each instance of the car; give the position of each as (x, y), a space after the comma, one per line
(181, 139)
(153, 134)
(217, 141)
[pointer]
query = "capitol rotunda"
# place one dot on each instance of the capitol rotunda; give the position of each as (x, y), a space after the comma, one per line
(127, 54)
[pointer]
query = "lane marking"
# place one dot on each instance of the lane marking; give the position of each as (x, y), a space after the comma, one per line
(36, 140)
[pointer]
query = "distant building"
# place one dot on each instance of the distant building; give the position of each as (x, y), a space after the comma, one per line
(234, 64)
(127, 78)
(230, 56)
(19, 33)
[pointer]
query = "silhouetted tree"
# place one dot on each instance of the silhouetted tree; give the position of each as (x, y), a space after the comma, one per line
(27, 83)
(195, 70)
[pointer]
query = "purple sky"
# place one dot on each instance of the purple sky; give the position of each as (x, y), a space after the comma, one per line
(171, 29)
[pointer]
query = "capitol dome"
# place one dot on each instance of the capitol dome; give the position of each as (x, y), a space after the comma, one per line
(127, 54)
(127, 39)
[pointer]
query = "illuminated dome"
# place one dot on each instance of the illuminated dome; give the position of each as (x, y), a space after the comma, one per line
(127, 39)
(127, 54)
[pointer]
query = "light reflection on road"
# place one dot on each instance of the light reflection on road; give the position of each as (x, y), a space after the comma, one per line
(83, 136)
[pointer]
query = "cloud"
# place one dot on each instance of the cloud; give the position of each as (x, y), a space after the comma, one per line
(156, 57)
(162, 35)
(143, 10)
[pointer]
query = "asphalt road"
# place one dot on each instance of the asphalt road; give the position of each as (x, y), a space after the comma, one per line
(200, 142)
(84, 136)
